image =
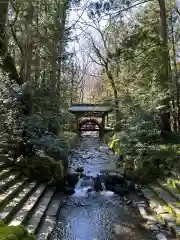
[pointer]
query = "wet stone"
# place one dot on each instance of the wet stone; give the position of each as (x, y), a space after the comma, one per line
(85, 156)
(69, 190)
(160, 236)
(154, 227)
(79, 169)
(118, 189)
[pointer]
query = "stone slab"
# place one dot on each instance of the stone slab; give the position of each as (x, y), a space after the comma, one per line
(39, 211)
(27, 207)
(11, 192)
(166, 197)
(50, 219)
(172, 190)
(16, 202)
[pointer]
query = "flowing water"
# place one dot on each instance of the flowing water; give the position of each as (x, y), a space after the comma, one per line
(89, 214)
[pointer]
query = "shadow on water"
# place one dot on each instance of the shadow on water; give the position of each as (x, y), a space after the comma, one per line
(92, 212)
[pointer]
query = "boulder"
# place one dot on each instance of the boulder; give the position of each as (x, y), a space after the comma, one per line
(114, 178)
(71, 180)
(118, 189)
(97, 184)
(79, 169)
(69, 190)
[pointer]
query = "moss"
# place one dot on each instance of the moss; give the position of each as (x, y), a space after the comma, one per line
(14, 232)
(29, 238)
(2, 223)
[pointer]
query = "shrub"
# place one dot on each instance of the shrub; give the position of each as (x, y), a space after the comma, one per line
(32, 124)
(142, 153)
(42, 169)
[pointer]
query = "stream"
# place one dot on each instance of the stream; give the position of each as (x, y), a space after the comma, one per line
(94, 210)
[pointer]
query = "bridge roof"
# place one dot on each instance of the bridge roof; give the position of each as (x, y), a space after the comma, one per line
(93, 109)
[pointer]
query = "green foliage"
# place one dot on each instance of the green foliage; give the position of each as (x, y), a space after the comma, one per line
(144, 162)
(42, 169)
(49, 162)
(142, 152)
(40, 102)
(50, 143)
(70, 138)
(42, 155)
(14, 233)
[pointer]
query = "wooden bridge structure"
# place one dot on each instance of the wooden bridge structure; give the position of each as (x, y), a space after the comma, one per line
(91, 117)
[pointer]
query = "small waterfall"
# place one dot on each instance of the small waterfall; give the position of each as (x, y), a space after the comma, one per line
(104, 191)
(103, 186)
(79, 183)
(82, 187)
(88, 184)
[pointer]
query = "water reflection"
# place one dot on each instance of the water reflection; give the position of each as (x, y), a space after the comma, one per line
(90, 134)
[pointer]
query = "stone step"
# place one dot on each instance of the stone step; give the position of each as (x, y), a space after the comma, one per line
(40, 211)
(169, 200)
(6, 147)
(4, 173)
(4, 157)
(2, 164)
(49, 220)
(4, 135)
(3, 140)
(11, 192)
(159, 208)
(154, 201)
(173, 191)
(153, 224)
(26, 210)
(8, 181)
(4, 144)
(6, 160)
(4, 150)
(177, 183)
(14, 206)
(176, 175)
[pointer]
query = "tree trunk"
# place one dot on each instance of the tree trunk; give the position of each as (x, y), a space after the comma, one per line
(8, 64)
(164, 44)
(176, 72)
(72, 86)
(115, 92)
(28, 45)
(164, 74)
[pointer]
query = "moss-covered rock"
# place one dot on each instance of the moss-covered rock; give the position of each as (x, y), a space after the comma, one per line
(14, 233)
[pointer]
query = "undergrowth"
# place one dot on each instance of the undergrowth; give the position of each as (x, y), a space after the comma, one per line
(143, 153)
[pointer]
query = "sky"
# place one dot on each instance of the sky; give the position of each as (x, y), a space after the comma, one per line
(79, 19)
